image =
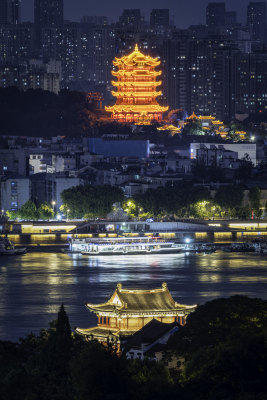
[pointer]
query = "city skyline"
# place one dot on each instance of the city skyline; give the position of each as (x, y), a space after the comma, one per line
(183, 16)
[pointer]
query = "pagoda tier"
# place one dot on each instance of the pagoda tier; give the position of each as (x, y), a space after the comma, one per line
(136, 89)
(127, 311)
(136, 74)
(140, 94)
(135, 85)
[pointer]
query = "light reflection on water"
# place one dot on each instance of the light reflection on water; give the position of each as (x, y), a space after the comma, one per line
(33, 286)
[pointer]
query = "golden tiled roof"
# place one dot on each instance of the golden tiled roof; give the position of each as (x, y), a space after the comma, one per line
(136, 108)
(136, 58)
(102, 332)
(140, 301)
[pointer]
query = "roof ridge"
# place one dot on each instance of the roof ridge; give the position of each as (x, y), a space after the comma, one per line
(142, 290)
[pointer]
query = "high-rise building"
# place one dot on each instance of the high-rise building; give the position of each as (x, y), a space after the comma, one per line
(5, 12)
(256, 20)
(250, 82)
(47, 14)
(16, 11)
(160, 18)
(174, 56)
(32, 75)
(64, 44)
(230, 18)
(131, 18)
(97, 53)
(94, 20)
(16, 43)
(10, 12)
(215, 15)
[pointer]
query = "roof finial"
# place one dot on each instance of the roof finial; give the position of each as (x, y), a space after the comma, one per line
(164, 285)
(136, 47)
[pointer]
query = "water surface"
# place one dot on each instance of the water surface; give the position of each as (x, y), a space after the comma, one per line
(33, 286)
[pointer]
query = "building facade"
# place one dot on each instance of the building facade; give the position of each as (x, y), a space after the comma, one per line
(14, 193)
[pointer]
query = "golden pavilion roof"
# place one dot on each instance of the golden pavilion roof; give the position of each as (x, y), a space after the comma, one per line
(135, 301)
(206, 117)
(136, 84)
(135, 108)
(136, 94)
(104, 332)
(169, 128)
(193, 116)
(136, 73)
(136, 58)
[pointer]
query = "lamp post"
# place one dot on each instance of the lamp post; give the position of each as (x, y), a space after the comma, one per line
(68, 214)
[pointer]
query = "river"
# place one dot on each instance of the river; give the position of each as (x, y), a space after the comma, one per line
(33, 286)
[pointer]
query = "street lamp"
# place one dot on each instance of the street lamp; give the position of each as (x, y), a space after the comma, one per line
(68, 214)
(53, 204)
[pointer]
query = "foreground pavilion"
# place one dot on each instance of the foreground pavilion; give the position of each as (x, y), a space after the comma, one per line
(129, 310)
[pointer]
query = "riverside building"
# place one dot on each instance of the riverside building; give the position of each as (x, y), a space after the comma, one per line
(129, 310)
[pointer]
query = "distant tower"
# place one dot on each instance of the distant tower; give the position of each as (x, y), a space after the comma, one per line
(256, 20)
(10, 12)
(5, 12)
(16, 11)
(230, 18)
(47, 14)
(215, 15)
(160, 18)
(131, 18)
(137, 89)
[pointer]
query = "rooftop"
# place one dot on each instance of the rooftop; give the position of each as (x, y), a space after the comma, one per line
(152, 331)
(136, 300)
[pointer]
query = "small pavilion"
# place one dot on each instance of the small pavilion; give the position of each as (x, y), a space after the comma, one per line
(129, 310)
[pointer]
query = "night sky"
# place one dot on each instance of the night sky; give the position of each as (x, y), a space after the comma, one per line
(186, 12)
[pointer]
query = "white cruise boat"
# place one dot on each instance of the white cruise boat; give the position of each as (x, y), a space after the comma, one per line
(124, 245)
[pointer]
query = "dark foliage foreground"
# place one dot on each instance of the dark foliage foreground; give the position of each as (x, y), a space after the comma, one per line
(222, 353)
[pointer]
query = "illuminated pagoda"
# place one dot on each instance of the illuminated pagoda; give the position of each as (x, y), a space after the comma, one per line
(136, 89)
(127, 311)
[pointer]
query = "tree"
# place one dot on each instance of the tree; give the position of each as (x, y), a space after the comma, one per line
(97, 373)
(87, 201)
(194, 128)
(229, 198)
(130, 206)
(254, 196)
(224, 348)
(12, 214)
(55, 359)
(243, 173)
(45, 211)
(28, 211)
